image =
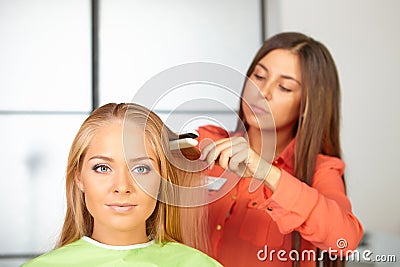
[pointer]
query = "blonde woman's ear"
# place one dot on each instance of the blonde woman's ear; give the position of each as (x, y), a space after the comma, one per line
(79, 183)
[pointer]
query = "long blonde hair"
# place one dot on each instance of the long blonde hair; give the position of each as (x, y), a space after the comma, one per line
(167, 222)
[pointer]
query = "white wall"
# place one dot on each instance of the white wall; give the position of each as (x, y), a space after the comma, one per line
(364, 38)
(138, 40)
(45, 94)
(45, 55)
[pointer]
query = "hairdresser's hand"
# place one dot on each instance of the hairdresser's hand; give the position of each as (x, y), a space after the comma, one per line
(235, 154)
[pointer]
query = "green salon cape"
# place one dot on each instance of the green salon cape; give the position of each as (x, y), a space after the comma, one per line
(87, 252)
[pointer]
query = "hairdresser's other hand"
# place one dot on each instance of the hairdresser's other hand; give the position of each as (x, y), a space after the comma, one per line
(235, 154)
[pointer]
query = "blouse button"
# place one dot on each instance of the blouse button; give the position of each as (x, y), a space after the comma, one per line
(233, 197)
(219, 227)
(269, 209)
(254, 204)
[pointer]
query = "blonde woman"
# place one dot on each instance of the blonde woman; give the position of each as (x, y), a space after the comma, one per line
(122, 198)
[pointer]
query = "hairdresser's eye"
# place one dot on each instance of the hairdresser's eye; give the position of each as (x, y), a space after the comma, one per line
(101, 168)
(141, 169)
(284, 89)
(258, 77)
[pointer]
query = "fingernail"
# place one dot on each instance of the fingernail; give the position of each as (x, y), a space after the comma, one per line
(201, 157)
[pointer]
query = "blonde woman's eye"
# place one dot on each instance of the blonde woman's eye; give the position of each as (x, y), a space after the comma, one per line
(101, 168)
(141, 169)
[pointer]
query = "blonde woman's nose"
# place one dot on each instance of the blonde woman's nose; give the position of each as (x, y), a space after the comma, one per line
(123, 183)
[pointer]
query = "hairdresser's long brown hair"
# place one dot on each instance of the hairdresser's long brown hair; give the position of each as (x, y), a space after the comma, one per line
(318, 125)
(167, 222)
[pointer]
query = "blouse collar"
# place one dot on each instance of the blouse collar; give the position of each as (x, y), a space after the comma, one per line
(287, 155)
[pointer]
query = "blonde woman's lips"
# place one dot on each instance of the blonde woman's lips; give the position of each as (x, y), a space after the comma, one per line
(121, 207)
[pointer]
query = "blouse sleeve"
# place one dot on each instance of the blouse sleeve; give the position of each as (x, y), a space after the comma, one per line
(321, 213)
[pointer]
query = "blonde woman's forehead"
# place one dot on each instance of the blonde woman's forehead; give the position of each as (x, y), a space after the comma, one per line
(136, 142)
(112, 144)
(106, 138)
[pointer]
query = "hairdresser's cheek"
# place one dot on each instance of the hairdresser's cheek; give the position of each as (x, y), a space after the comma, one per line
(251, 92)
(250, 117)
(248, 96)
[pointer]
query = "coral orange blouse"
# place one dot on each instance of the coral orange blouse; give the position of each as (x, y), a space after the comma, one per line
(254, 229)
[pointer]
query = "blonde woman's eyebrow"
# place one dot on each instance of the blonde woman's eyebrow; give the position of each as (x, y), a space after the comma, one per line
(105, 158)
(136, 159)
(141, 158)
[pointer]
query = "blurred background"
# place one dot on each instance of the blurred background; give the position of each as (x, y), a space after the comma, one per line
(59, 59)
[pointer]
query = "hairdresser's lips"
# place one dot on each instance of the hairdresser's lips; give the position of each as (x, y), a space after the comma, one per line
(258, 110)
(121, 207)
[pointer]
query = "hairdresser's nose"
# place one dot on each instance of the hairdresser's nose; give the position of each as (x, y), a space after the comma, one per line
(124, 182)
(267, 91)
